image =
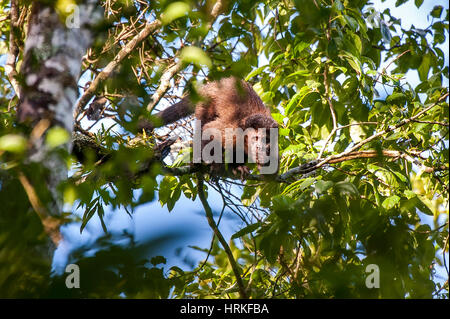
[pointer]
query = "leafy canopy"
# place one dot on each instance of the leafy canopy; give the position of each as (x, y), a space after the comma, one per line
(335, 74)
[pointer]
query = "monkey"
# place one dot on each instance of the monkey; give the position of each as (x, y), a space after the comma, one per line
(228, 103)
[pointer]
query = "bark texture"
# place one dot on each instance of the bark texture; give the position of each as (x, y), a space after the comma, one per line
(54, 47)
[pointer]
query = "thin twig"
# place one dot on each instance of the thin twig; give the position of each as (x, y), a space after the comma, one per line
(333, 113)
(385, 69)
(176, 67)
(358, 123)
(296, 170)
(432, 122)
(149, 28)
(223, 242)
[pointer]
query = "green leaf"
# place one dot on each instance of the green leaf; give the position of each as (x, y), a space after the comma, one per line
(397, 99)
(386, 34)
(165, 188)
(418, 3)
(300, 47)
(300, 73)
(246, 230)
(356, 40)
(57, 136)
(174, 196)
(401, 177)
(91, 208)
(353, 61)
(409, 194)
(13, 143)
(424, 68)
(195, 55)
(357, 133)
(390, 202)
(249, 195)
(436, 12)
(322, 186)
(400, 2)
(174, 11)
(338, 4)
(351, 22)
(255, 72)
(158, 260)
(306, 183)
(101, 214)
(422, 207)
(296, 99)
(346, 188)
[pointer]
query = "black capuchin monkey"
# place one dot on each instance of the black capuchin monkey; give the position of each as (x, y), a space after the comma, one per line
(229, 103)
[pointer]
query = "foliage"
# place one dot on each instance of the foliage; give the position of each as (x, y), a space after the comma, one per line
(334, 74)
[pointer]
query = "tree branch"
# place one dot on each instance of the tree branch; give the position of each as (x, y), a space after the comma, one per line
(164, 85)
(223, 242)
(50, 223)
(333, 113)
(378, 134)
(385, 69)
(388, 153)
(149, 28)
(432, 122)
(312, 166)
(175, 67)
(350, 154)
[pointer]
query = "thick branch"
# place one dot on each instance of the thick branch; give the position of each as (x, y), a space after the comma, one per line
(81, 143)
(350, 153)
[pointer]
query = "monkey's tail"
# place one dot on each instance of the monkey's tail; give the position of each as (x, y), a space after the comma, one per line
(169, 115)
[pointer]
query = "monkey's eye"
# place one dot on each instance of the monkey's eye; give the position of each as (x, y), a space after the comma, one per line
(259, 139)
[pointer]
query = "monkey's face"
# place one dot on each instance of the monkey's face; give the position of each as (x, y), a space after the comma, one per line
(261, 147)
(262, 140)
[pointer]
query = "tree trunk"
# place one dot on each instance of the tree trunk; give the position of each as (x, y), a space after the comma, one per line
(54, 47)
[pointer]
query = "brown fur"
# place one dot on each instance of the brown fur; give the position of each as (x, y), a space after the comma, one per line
(227, 103)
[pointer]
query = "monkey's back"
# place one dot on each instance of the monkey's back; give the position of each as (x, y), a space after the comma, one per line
(229, 100)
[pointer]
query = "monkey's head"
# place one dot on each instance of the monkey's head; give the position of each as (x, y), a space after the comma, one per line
(261, 139)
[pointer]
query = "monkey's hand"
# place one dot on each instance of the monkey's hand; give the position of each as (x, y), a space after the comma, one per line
(241, 170)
